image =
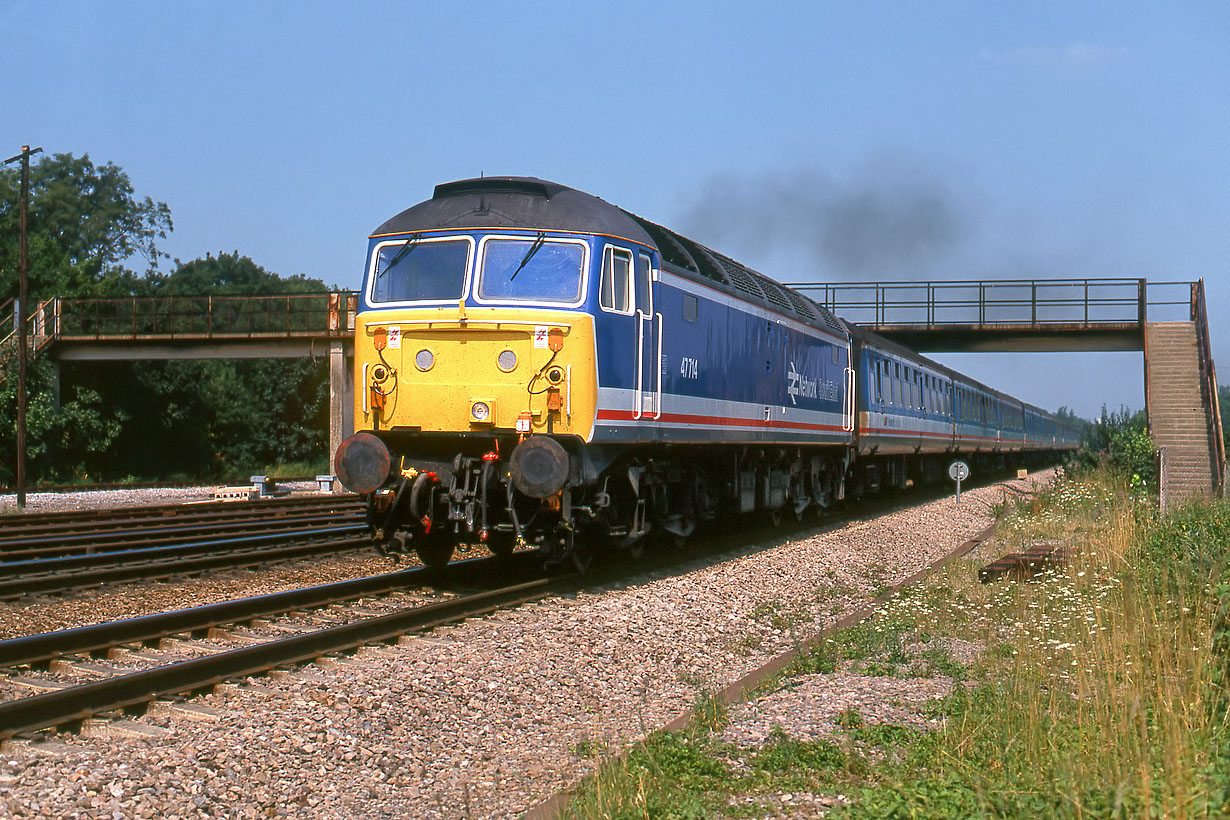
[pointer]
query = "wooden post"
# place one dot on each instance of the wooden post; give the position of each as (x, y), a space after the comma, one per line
(23, 298)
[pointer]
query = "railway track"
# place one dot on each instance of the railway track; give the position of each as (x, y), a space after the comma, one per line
(68, 653)
(136, 485)
(57, 552)
(73, 653)
(35, 535)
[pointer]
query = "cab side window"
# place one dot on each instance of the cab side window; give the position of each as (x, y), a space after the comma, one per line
(616, 287)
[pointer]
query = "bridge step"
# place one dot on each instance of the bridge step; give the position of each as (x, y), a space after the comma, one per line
(1178, 416)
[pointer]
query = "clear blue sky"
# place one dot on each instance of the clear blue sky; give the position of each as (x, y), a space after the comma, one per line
(981, 139)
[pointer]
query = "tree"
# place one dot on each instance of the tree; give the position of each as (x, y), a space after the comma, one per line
(84, 226)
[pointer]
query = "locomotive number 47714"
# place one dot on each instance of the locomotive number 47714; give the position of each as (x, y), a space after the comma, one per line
(689, 368)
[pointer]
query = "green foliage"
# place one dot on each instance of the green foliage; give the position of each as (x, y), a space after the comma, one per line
(68, 442)
(84, 225)
(709, 713)
(783, 753)
(1121, 440)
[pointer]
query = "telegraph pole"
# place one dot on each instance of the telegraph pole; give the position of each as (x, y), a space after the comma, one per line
(20, 310)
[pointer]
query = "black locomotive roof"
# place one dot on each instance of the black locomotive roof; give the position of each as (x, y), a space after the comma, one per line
(526, 202)
(514, 202)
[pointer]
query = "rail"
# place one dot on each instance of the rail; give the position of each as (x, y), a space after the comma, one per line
(1208, 383)
(201, 317)
(1033, 302)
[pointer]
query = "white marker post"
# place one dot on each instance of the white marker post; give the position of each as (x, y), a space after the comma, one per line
(958, 471)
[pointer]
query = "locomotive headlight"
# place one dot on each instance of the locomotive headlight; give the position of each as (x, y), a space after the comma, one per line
(507, 361)
(480, 411)
(424, 360)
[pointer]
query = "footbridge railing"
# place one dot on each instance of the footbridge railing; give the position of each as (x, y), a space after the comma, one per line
(1035, 302)
(192, 318)
(1009, 314)
(1208, 384)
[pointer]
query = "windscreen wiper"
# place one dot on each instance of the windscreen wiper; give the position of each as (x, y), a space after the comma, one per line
(401, 254)
(538, 242)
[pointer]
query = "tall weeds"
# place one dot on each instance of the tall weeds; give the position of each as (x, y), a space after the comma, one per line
(1107, 708)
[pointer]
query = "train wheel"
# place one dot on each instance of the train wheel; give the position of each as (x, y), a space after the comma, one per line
(501, 543)
(433, 552)
(581, 552)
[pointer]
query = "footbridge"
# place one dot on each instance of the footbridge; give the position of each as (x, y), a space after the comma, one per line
(1166, 321)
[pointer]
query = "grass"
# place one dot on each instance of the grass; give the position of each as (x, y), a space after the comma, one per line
(1102, 689)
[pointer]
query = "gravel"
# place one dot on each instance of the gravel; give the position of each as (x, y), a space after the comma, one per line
(45, 613)
(101, 499)
(489, 717)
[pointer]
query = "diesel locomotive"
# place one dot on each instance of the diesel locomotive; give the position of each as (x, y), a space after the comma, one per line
(536, 366)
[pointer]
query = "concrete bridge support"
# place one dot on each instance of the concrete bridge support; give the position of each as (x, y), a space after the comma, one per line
(341, 397)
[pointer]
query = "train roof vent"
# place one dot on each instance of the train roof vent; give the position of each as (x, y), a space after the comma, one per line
(704, 258)
(503, 185)
(667, 242)
(801, 303)
(831, 320)
(741, 277)
(774, 293)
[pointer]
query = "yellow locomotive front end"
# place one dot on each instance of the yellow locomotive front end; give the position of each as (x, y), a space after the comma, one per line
(476, 388)
(475, 370)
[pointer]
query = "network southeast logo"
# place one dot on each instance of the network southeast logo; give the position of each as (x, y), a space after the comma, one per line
(797, 386)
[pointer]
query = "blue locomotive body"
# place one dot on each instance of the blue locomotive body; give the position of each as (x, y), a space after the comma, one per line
(707, 367)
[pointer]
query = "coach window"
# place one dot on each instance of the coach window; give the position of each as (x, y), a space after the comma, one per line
(616, 280)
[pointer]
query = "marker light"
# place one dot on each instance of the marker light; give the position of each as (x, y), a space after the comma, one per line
(480, 411)
(507, 360)
(424, 360)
